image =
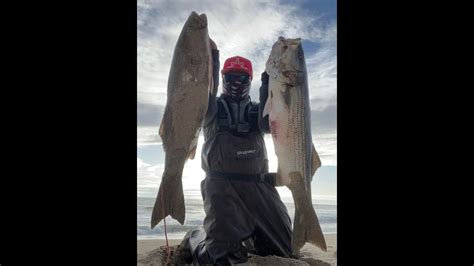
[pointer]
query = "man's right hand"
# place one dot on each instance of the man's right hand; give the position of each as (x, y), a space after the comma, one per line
(264, 77)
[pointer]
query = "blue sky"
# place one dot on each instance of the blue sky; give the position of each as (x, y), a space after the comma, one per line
(246, 28)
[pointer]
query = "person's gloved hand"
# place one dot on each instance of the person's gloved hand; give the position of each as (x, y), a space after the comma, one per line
(212, 44)
(264, 77)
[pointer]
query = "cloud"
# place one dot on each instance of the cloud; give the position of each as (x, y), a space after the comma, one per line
(322, 70)
(148, 136)
(247, 28)
(140, 164)
(149, 114)
(323, 124)
(324, 121)
(326, 146)
(149, 174)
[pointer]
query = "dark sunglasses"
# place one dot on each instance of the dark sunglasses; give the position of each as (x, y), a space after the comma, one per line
(243, 79)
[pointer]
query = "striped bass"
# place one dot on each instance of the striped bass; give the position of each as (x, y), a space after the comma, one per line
(289, 113)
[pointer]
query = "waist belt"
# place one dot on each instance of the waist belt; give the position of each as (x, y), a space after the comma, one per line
(252, 178)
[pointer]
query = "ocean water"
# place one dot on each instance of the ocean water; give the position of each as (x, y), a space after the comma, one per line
(326, 209)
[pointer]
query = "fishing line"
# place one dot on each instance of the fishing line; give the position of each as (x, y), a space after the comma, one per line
(168, 251)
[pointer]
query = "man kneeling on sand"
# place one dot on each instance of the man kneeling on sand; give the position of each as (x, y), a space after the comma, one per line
(244, 212)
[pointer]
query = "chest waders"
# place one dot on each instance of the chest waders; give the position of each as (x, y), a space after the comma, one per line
(244, 213)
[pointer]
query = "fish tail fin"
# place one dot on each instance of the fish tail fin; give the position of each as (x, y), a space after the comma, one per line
(307, 230)
(314, 234)
(170, 201)
(306, 224)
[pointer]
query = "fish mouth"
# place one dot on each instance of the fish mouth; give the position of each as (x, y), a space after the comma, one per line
(289, 42)
(288, 45)
(287, 55)
(197, 21)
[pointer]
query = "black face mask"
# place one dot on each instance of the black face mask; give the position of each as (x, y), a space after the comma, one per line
(237, 86)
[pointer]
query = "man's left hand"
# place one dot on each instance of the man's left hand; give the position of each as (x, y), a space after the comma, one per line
(212, 44)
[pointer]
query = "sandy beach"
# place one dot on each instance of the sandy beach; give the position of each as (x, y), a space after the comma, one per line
(149, 253)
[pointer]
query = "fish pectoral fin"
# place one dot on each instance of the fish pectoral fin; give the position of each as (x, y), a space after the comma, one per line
(316, 163)
(165, 123)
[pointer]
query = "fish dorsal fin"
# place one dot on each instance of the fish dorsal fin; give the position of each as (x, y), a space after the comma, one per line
(316, 162)
(165, 123)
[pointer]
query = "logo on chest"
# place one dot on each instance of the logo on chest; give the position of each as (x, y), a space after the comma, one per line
(246, 152)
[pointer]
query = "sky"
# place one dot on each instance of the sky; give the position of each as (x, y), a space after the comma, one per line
(249, 29)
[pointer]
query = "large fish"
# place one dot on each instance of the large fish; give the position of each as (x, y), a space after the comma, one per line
(290, 124)
(189, 85)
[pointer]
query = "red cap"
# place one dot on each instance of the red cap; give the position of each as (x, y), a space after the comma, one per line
(237, 64)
